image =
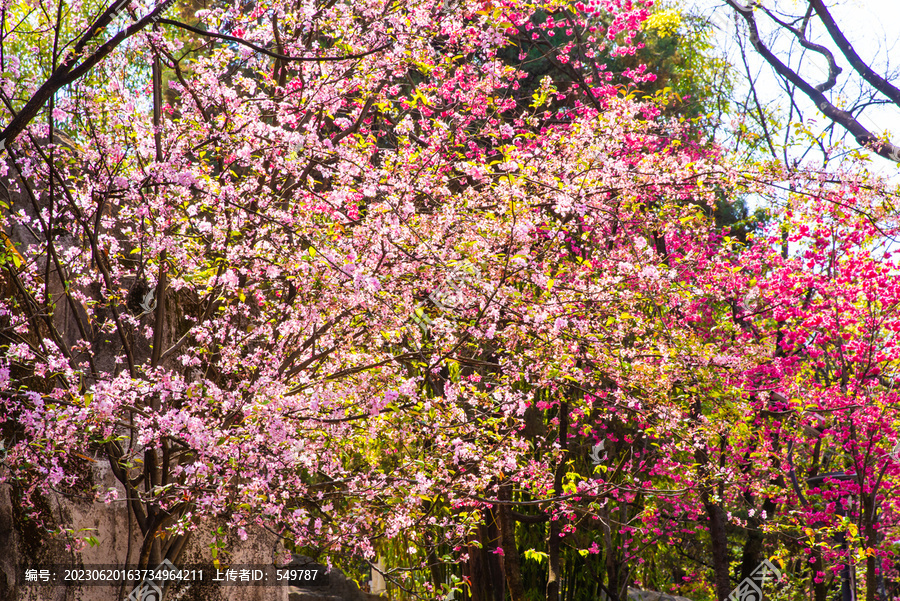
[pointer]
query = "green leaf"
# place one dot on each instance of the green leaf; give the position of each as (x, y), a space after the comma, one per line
(535, 555)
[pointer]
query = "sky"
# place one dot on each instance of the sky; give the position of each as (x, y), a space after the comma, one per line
(871, 26)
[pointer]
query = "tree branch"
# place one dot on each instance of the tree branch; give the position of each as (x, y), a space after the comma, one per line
(261, 50)
(70, 69)
(877, 81)
(833, 69)
(846, 120)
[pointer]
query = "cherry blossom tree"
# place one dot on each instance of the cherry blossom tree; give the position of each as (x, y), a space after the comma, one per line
(343, 282)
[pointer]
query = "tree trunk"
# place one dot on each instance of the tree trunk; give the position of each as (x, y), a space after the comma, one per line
(719, 546)
(612, 567)
(819, 587)
(553, 544)
(481, 578)
(511, 567)
(868, 511)
(752, 554)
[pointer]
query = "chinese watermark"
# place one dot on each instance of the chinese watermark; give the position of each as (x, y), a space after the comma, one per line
(149, 589)
(120, 6)
(148, 303)
(163, 8)
(720, 21)
(751, 587)
(598, 448)
(448, 296)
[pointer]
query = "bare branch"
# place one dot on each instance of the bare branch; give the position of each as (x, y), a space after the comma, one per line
(877, 81)
(800, 33)
(846, 120)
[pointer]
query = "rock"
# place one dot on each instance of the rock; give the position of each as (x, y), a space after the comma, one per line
(336, 587)
(636, 594)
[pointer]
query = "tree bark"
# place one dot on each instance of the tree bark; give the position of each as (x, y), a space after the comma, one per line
(716, 524)
(511, 565)
(554, 542)
(819, 592)
(72, 68)
(719, 542)
(752, 553)
(868, 511)
(877, 81)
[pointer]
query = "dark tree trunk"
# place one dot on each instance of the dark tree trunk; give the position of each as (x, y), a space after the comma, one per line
(479, 566)
(511, 567)
(819, 591)
(868, 507)
(753, 546)
(612, 566)
(719, 546)
(716, 524)
(553, 544)
(498, 585)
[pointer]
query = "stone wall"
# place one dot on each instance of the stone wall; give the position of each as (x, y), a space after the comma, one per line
(23, 545)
